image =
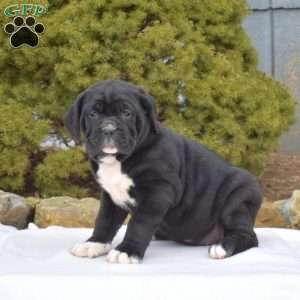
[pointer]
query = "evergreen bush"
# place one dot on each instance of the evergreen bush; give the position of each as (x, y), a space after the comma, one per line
(20, 135)
(193, 56)
(62, 172)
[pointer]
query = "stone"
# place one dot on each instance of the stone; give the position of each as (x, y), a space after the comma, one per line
(67, 212)
(290, 208)
(32, 201)
(295, 209)
(14, 210)
(270, 215)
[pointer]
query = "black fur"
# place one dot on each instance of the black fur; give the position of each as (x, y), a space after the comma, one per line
(185, 192)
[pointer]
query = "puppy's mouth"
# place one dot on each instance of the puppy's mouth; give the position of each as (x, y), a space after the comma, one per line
(109, 147)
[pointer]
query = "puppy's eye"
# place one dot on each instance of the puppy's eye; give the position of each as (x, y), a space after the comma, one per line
(126, 113)
(93, 114)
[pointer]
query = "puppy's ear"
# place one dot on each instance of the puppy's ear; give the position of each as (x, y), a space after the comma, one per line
(148, 104)
(72, 118)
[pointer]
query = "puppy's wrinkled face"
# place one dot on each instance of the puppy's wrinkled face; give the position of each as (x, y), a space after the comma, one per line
(114, 116)
(111, 124)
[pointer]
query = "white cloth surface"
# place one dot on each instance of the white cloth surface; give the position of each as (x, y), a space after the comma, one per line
(35, 264)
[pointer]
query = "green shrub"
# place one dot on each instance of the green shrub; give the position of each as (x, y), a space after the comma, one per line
(20, 135)
(193, 48)
(61, 172)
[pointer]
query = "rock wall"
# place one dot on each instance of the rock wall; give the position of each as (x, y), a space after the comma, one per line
(71, 212)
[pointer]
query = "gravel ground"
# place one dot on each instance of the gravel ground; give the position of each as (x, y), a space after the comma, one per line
(281, 176)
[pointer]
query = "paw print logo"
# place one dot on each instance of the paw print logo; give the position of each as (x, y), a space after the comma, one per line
(24, 31)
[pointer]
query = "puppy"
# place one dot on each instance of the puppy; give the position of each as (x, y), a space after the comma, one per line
(174, 188)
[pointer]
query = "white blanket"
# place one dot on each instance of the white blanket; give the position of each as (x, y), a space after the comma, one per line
(35, 265)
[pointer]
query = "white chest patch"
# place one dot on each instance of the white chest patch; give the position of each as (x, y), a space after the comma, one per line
(114, 182)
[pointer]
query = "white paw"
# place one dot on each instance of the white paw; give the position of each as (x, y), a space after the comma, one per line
(90, 249)
(217, 251)
(117, 257)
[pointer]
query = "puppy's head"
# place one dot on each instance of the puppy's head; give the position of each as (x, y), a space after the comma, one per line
(114, 116)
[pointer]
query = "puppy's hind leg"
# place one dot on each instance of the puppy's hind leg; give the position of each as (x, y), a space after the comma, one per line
(238, 222)
(159, 236)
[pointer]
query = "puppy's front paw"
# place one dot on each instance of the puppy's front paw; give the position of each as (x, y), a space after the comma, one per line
(118, 257)
(217, 251)
(90, 249)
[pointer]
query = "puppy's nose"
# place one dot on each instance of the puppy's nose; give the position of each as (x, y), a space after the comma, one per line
(108, 132)
(108, 128)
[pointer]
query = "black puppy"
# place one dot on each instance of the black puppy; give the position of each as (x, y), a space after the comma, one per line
(175, 189)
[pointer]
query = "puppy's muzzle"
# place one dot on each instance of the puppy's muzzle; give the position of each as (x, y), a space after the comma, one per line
(109, 129)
